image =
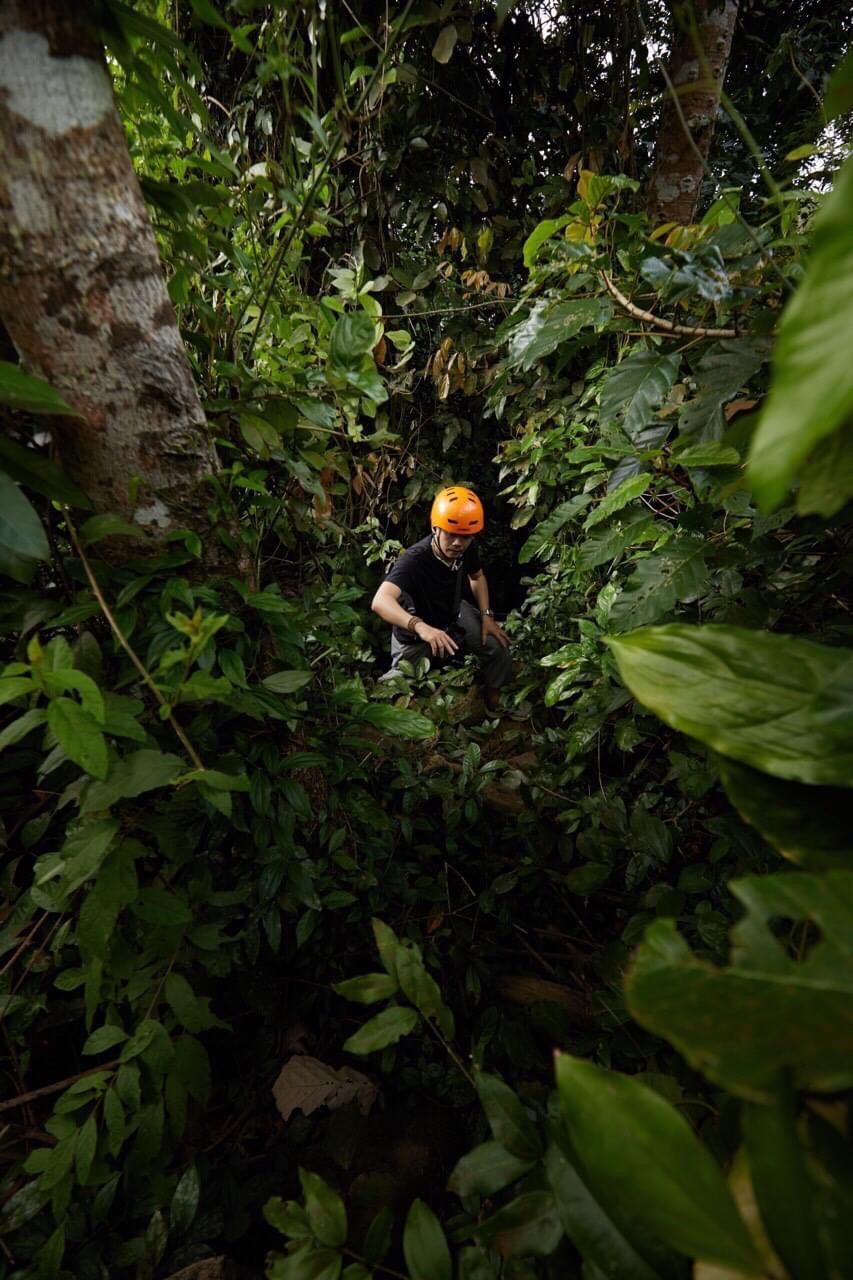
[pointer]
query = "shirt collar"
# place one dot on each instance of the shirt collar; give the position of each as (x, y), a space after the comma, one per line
(453, 565)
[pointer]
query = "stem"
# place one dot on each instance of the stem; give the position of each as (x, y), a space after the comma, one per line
(56, 1087)
(125, 644)
(667, 326)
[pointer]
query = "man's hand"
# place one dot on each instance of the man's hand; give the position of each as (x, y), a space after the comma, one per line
(488, 627)
(440, 643)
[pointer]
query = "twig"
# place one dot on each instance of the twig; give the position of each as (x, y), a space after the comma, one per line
(666, 326)
(22, 946)
(125, 644)
(56, 1087)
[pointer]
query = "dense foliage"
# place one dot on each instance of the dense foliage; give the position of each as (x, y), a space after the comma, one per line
(405, 250)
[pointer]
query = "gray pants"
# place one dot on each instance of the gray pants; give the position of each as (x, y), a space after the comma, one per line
(495, 660)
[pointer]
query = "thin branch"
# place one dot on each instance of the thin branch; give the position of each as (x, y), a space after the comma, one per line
(125, 644)
(47, 1089)
(666, 326)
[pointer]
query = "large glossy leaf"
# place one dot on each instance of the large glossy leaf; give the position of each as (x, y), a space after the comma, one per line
(768, 1012)
(779, 703)
(639, 1155)
(608, 543)
(618, 498)
(386, 1028)
(676, 572)
(23, 541)
(587, 1224)
(719, 376)
(637, 387)
(813, 826)
(79, 734)
(21, 390)
(352, 338)
(811, 393)
(549, 325)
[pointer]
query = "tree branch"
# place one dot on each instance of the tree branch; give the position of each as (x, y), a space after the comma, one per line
(666, 326)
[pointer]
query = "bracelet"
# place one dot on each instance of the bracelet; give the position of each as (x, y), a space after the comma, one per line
(413, 622)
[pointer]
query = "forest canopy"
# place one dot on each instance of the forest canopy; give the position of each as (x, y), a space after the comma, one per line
(313, 976)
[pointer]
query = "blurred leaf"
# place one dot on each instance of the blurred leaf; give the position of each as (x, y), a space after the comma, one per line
(779, 703)
(424, 1245)
(640, 1155)
(812, 826)
(768, 1012)
(508, 1120)
(485, 1170)
(445, 43)
(325, 1209)
(30, 468)
(811, 391)
(838, 99)
(529, 1226)
(20, 390)
(398, 721)
(23, 542)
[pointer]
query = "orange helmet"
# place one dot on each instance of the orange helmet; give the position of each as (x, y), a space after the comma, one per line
(457, 510)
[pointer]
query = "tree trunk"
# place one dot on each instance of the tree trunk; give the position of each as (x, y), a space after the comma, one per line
(677, 179)
(82, 292)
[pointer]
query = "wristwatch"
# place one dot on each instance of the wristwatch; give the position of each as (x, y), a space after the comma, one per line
(487, 613)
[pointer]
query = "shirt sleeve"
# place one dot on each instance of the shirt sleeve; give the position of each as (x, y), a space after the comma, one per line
(402, 573)
(472, 561)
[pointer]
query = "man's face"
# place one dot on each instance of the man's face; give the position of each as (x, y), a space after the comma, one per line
(453, 545)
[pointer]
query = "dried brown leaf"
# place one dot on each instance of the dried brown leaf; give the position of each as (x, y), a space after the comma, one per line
(305, 1084)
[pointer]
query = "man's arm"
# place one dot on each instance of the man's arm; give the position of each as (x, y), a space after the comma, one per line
(386, 603)
(488, 627)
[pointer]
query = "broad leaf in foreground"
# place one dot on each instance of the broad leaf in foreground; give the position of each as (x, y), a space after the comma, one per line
(23, 542)
(767, 1012)
(641, 1158)
(779, 703)
(424, 1245)
(813, 826)
(811, 393)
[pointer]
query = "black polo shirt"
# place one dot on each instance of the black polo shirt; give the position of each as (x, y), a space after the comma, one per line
(431, 583)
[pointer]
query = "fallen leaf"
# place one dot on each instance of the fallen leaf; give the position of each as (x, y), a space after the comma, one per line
(304, 1084)
(207, 1269)
(738, 406)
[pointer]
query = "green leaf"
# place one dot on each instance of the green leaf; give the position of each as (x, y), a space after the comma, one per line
(18, 729)
(767, 1012)
(386, 1028)
(813, 826)
(37, 472)
(528, 1226)
(421, 988)
(486, 1169)
(548, 326)
(84, 1149)
(609, 543)
(509, 1122)
(23, 542)
(325, 1209)
(20, 390)
(540, 233)
(637, 387)
(838, 99)
(398, 721)
(445, 43)
(826, 483)
(811, 392)
(104, 1038)
(542, 538)
(109, 526)
(786, 1194)
(353, 337)
(377, 1242)
(639, 1155)
(367, 989)
(22, 1206)
(779, 703)
(596, 1237)
(424, 1245)
(387, 944)
(307, 1264)
(673, 573)
(712, 454)
(288, 681)
(159, 907)
(79, 735)
(184, 1003)
(90, 695)
(719, 376)
(142, 771)
(618, 498)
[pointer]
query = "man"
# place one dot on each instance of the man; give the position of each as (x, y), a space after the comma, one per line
(422, 596)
